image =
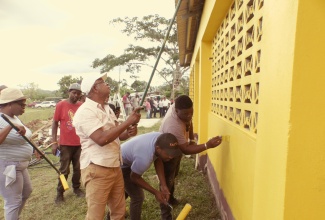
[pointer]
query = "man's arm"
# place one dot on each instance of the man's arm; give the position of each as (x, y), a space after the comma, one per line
(197, 148)
(55, 145)
(137, 179)
(159, 167)
(103, 137)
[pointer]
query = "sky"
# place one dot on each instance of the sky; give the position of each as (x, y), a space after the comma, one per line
(42, 41)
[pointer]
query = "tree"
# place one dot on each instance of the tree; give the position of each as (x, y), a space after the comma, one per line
(66, 81)
(139, 85)
(31, 90)
(149, 33)
(64, 84)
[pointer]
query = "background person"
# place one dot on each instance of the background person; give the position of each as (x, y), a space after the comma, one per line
(178, 121)
(153, 105)
(15, 154)
(138, 155)
(166, 104)
(147, 106)
(161, 109)
(69, 143)
(100, 160)
(135, 101)
(126, 103)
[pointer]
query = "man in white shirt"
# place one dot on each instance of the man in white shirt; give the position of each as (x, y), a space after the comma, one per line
(100, 159)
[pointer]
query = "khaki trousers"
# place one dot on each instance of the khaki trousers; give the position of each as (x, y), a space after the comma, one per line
(104, 186)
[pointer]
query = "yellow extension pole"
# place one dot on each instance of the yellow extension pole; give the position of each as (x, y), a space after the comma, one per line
(187, 208)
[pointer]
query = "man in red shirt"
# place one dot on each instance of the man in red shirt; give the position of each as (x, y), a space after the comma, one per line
(69, 146)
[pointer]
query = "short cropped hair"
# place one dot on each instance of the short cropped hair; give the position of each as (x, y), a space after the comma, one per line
(165, 139)
(168, 143)
(183, 102)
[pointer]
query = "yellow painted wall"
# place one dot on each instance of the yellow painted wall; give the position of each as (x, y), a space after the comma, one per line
(305, 185)
(277, 173)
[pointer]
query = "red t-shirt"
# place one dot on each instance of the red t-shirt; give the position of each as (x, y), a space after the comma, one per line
(64, 113)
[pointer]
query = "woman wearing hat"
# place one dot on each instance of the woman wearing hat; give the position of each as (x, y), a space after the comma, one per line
(15, 153)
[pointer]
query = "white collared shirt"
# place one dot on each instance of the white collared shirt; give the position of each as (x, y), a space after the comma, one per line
(89, 117)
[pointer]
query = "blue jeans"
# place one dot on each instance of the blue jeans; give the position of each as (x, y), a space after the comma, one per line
(136, 195)
(16, 194)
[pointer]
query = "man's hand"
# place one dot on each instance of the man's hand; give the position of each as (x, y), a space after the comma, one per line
(135, 116)
(55, 147)
(160, 197)
(165, 192)
(132, 130)
(214, 142)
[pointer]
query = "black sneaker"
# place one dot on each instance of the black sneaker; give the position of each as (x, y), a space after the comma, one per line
(79, 193)
(59, 198)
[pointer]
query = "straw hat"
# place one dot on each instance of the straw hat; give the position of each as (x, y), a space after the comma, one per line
(10, 95)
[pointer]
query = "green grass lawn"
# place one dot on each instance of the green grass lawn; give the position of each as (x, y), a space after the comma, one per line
(191, 187)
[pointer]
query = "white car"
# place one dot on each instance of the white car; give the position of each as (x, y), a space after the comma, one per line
(46, 104)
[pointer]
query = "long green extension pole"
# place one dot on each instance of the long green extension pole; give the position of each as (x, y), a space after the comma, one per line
(160, 52)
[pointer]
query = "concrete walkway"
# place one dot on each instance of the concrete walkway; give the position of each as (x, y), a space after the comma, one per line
(147, 123)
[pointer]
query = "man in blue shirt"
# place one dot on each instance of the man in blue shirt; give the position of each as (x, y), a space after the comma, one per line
(138, 154)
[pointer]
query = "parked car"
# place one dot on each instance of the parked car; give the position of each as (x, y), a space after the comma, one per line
(46, 104)
(32, 104)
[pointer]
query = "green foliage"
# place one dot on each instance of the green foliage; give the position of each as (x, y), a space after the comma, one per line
(139, 85)
(149, 32)
(64, 84)
(113, 85)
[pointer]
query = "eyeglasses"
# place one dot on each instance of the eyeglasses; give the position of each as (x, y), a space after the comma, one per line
(101, 83)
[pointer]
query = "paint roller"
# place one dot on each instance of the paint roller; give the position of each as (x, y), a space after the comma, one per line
(62, 177)
(182, 215)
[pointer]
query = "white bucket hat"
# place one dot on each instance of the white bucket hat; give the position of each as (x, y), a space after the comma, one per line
(10, 95)
(88, 82)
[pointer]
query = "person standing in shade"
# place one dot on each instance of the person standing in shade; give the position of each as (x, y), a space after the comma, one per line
(15, 154)
(138, 154)
(178, 121)
(69, 143)
(100, 160)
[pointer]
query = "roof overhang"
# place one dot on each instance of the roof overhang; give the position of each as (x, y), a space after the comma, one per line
(188, 22)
